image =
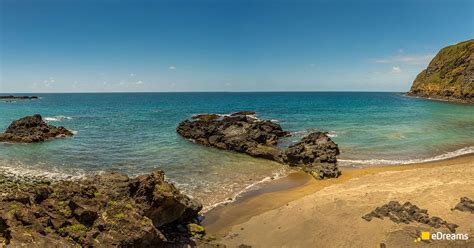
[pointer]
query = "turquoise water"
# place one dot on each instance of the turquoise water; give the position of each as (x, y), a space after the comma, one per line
(135, 133)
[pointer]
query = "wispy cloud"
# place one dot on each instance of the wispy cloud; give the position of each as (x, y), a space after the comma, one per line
(396, 70)
(49, 82)
(172, 67)
(405, 59)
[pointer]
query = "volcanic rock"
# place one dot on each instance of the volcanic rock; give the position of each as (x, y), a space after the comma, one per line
(406, 214)
(316, 153)
(465, 205)
(11, 97)
(243, 132)
(109, 210)
(32, 129)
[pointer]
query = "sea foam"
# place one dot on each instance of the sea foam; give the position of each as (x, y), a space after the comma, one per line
(57, 118)
(447, 155)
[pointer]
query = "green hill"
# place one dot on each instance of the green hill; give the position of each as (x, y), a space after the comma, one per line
(449, 76)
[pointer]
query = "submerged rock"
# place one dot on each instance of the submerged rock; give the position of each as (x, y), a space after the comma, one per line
(406, 214)
(32, 129)
(465, 205)
(243, 132)
(108, 210)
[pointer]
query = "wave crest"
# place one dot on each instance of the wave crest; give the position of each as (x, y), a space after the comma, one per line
(57, 118)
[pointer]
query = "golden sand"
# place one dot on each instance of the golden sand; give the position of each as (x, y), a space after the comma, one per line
(298, 211)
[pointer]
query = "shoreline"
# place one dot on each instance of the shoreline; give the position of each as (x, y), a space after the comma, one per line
(440, 99)
(296, 175)
(276, 194)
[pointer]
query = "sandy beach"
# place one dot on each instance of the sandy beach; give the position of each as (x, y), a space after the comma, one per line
(298, 211)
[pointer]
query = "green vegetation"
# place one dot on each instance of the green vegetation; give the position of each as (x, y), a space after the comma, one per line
(450, 74)
(119, 216)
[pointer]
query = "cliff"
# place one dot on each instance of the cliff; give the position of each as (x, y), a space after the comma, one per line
(449, 76)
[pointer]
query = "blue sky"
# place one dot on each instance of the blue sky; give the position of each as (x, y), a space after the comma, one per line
(108, 46)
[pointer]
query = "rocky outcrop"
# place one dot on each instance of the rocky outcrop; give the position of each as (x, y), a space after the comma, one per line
(11, 97)
(406, 214)
(109, 210)
(237, 132)
(32, 129)
(449, 76)
(243, 132)
(465, 205)
(316, 153)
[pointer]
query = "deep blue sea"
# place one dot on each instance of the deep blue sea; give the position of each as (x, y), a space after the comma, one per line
(135, 133)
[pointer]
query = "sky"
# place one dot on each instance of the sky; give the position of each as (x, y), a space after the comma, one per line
(223, 45)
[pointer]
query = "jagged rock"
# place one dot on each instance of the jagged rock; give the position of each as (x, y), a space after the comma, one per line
(449, 76)
(108, 210)
(316, 153)
(406, 214)
(243, 132)
(237, 132)
(32, 129)
(465, 205)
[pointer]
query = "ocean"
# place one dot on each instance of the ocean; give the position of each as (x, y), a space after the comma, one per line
(135, 133)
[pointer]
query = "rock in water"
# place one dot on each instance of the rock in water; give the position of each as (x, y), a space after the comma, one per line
(238, 132)
(109, 210)
(11, 97)
(449, 76)
(316, 153)
(32, 129)
(243, 132)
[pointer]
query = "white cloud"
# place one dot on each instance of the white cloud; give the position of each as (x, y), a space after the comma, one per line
(48, 82)
(132, 75)
(172, 67)
(406, 59)
(139, 82)
(396, 70)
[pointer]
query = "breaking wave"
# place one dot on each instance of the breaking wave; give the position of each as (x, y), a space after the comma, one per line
(57, 118)
(456, 153)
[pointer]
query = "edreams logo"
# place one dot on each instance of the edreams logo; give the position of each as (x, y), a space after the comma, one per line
(442, 236)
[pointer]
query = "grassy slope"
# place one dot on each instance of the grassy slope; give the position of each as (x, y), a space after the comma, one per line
(450, 75)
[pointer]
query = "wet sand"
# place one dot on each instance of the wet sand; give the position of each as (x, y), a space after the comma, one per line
(298, 211)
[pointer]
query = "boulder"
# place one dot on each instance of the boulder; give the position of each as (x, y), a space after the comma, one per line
(316, 153)
(32, 129)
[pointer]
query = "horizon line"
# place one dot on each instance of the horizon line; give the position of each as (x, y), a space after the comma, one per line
(263, 91)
